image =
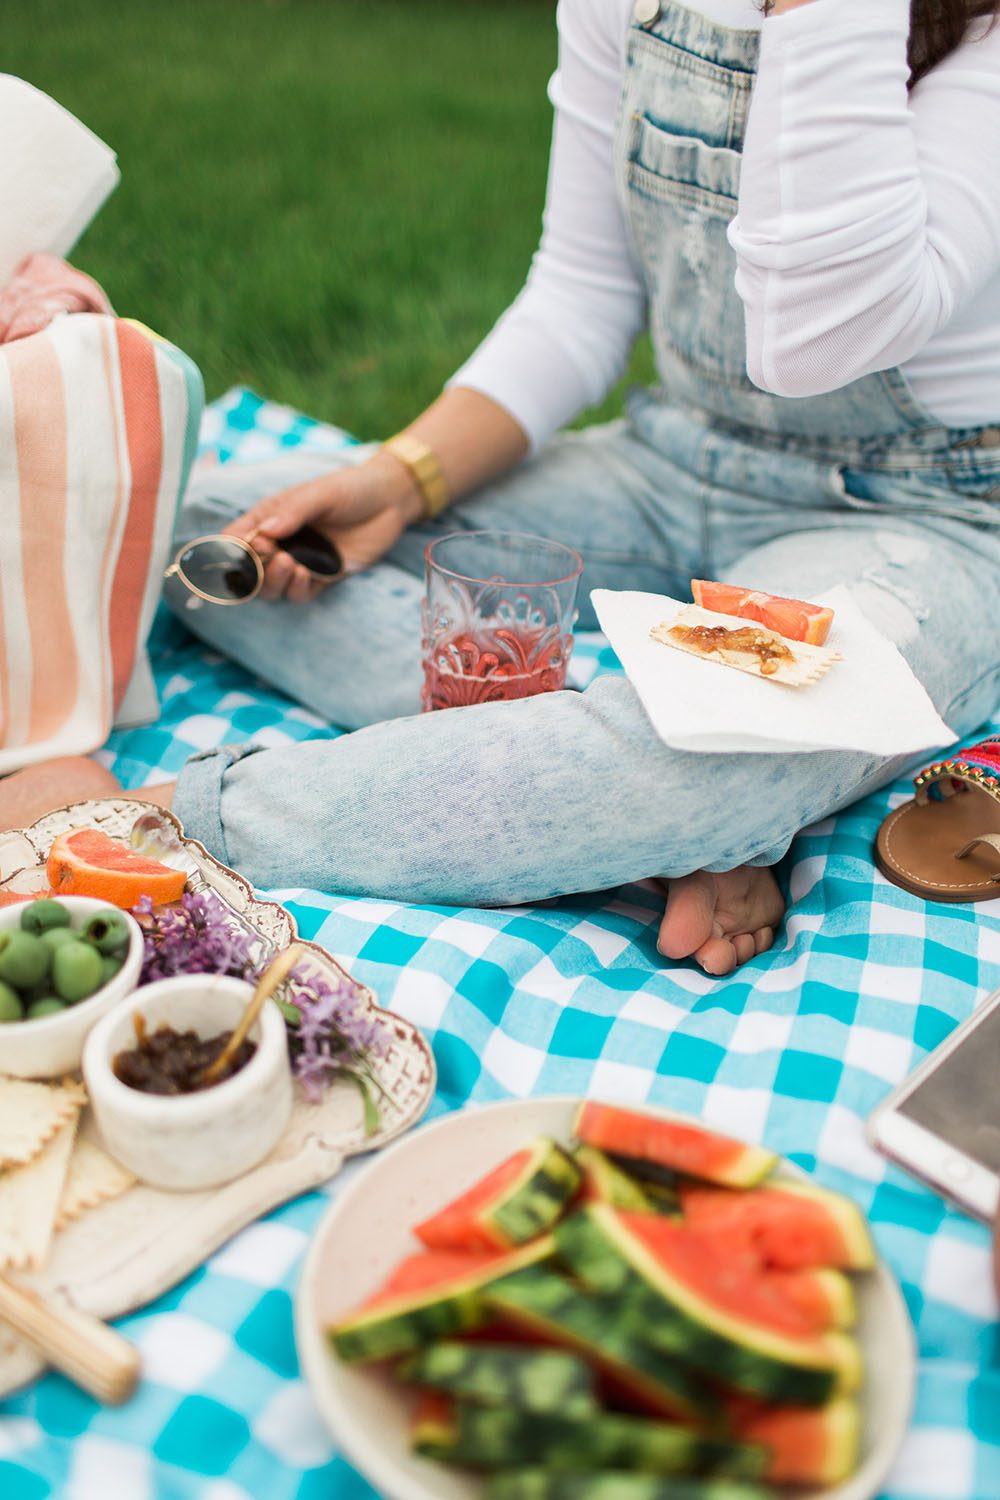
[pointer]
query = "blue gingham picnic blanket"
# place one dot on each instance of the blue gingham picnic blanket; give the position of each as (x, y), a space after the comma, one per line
(794, 1049)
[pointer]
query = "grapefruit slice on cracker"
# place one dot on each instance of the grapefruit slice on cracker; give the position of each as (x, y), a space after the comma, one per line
(793, 618)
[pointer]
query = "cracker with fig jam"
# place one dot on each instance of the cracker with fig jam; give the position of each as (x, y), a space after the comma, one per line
(744, 645)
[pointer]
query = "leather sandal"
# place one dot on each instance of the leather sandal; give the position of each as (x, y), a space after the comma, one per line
(944, 844)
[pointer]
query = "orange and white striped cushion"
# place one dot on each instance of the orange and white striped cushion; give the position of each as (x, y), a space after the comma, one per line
(98, 420)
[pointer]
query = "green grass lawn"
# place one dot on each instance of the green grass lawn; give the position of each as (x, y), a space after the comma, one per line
(329, 200)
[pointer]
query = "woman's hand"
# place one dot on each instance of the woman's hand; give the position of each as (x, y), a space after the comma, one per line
(42, 287)
(362, 510)
(782, 5)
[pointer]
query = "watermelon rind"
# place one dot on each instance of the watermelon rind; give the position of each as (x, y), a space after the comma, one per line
(491, 1437)
(667, 1141)
(672, 1317)
(828, 1286)
(396, 1326)
(541, 1301)
(841, 1297)
(543, 1380)
(607, 1182)
(517, 1212)
(551, 1180)
(540, 1484)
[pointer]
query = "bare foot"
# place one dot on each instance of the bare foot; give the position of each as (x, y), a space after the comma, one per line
(721, 920)
(29, 794)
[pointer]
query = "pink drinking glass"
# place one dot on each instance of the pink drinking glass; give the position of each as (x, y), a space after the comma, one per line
(498, 617)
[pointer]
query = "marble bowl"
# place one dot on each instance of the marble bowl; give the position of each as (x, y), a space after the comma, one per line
(52, 1045)
(199, 1140)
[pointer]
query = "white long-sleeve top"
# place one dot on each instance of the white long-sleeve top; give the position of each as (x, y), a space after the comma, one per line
(867, 236)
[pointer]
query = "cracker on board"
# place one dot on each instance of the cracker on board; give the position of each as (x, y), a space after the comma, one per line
(93, 1177)
(31, 1113)
(29, 1198)
(804, 663)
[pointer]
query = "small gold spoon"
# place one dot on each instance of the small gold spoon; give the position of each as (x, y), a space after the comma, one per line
(275, 974)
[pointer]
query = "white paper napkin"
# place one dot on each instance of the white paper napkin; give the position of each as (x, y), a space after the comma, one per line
(54, 175)
(870, 701)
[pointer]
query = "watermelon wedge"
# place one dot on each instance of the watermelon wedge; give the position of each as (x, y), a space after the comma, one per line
(793, 618)
(540, 1303)
(789, 1225)
(499, 1375)
(540, 1484)
(814, 1446)
(491, 1437)
(690, 1299)
(519, 1199)
(427, 1297)
(604, 1182)
(648, 1136)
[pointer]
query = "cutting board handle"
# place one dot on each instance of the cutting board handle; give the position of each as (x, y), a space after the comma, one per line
(86, 1350)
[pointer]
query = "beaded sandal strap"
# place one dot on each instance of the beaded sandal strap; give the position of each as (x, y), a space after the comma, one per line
(978, 766)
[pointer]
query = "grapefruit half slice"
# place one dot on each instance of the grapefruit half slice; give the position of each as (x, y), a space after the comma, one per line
(86, 862)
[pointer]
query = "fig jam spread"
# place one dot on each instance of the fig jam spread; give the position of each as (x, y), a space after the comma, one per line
(168, 1062)
(709, 638)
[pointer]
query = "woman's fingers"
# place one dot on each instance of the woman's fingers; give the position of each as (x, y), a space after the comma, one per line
(278, 574)
(279, 515)
(303, 587)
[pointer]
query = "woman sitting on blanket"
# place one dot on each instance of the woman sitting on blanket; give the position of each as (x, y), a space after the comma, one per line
(829, 413)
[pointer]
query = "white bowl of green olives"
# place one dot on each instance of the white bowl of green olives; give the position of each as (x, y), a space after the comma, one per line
(64, 963)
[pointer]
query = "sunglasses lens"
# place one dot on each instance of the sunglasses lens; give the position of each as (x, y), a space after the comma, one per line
(219, 568)
(311, 548)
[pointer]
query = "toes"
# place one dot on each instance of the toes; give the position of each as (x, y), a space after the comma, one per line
(721, 955)
(744, 946)
(689, 920)
(717, 957)
(763, 939)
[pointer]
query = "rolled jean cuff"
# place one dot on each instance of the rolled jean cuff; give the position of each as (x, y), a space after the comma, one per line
(198, 797)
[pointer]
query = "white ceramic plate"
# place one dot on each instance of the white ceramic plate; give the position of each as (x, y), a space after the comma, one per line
(366, 1231)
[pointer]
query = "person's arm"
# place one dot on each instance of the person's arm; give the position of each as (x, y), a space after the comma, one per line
(559, 347)
(866, 216)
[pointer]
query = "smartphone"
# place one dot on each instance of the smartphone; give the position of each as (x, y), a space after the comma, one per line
(943, 1123)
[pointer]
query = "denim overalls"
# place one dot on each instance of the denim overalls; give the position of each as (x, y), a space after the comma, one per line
(707, 476)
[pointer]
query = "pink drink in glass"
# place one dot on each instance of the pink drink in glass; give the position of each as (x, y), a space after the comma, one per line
(502, 636)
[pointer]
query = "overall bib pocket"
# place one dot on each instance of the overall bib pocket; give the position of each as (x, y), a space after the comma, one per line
(682, 197)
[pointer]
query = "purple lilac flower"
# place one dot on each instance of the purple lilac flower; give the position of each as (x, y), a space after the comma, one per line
(196, 937)
(328, 1032)
(331, 1033)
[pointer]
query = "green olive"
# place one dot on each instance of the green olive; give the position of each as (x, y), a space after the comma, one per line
(76, 971)
(47, 1007)
(24, 959)
(108, 931)
(54, 937)
(39, 916)
(11, 1008)
(109, 967)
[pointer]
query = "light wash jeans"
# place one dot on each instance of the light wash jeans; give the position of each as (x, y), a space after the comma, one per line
(516, 802)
